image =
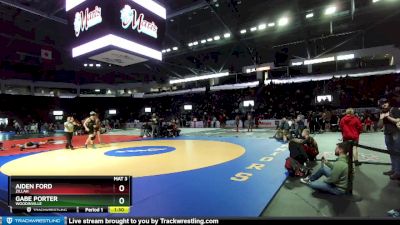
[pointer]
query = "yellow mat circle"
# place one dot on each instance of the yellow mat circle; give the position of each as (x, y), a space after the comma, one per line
(189, 155)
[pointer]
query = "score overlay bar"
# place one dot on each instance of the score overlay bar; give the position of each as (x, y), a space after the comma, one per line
(81, 191)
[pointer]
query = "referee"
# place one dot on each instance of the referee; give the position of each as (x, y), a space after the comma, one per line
(69, 131)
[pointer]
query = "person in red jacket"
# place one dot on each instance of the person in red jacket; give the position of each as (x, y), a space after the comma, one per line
(351, 128)
(368, 124)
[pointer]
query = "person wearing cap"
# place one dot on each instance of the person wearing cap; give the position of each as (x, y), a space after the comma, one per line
(388, 118)
(90, 127)
(336, 173)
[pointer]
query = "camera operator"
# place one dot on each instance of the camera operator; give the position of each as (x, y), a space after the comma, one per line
(389, 117)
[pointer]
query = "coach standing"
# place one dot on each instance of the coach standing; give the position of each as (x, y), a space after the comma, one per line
(388, 119)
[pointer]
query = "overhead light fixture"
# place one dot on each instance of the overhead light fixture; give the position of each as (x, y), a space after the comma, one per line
(204, 77)
(209, 39)
(264, 68)
(243, 31)
(253, 29)
(85, 65)
(262, 26)
(271, 24)
(374, 1)
(190, 44)
(320, 60)
(98, 65)
(310, 15)
(195, 43)
(153, 7)
(70, 4)
(330, 10)
(297, 63)
(203, 41)
(175, 48)
(163, 51)
(283, 21)
(112, 40)
(97, 90)
(168, 50)
(216, 38)
(344, 57)
(91, 65)
(227, 35)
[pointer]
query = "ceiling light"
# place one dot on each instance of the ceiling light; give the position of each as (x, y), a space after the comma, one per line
(209, 39)
(344, 57)
(227, 35)
(310, 15)
(112, 40)
(253, 29)
(243, 31)
(320, 60)
(283, 21)
(98, 65)
(164, 51)
(265, 68)
(205, 77)
(203, 41)
(168, 50)
(217, 37)
(297, 63)
(330, 10)
(195, 43)
(271, 24)
(373, 1)
(175, 48)
(190, 44)
(85, 65)
(97, 90)
(91, 65)
(262, 26)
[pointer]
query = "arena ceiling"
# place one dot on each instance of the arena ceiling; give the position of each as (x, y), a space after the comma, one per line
(356, 24)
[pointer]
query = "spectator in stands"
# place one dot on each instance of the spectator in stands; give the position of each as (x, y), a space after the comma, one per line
(351, 128)
(368, 124)
(336, 173)
(389, 117)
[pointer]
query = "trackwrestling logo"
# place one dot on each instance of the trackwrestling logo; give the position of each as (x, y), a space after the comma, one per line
(34, 220)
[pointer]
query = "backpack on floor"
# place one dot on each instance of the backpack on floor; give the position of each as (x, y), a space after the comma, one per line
(295, 169)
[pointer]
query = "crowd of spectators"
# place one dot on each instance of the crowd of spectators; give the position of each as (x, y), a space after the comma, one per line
(273, 101)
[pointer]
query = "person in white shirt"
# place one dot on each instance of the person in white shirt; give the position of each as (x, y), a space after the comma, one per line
(69, 126)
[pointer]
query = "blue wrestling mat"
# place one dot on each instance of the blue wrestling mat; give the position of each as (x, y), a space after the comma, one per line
(240, 187)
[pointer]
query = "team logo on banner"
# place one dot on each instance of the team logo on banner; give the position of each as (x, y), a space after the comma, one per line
(130, 17)
(9, 220)
(87, 19)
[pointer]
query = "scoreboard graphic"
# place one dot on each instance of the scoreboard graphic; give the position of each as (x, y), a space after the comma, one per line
(70, 194)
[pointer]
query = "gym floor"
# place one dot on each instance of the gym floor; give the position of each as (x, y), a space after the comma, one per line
(271, 193)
